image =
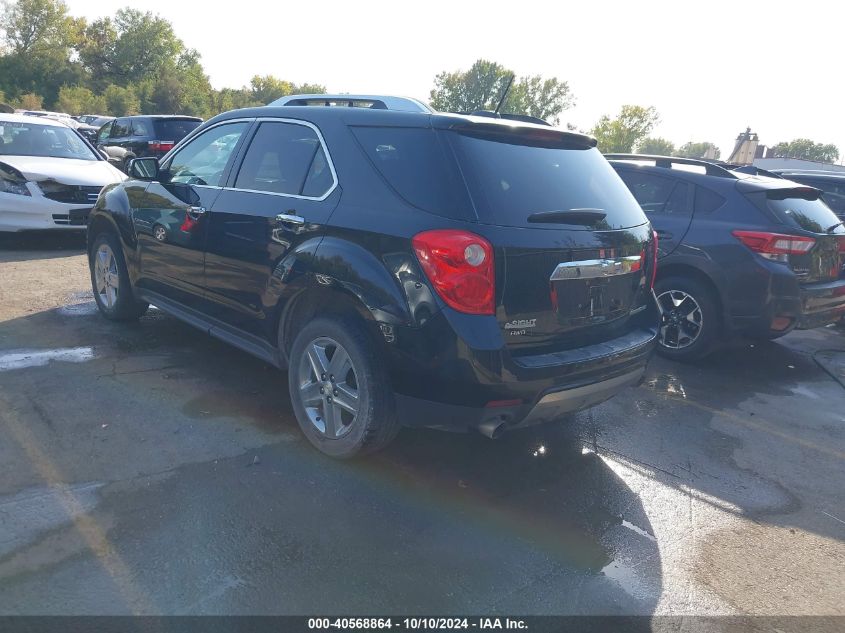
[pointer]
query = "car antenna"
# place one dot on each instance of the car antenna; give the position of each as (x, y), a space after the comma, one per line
(504, 94)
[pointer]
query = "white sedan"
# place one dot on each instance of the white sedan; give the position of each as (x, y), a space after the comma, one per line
(49, 176)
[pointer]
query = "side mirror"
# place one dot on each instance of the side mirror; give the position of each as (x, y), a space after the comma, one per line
(143, 168)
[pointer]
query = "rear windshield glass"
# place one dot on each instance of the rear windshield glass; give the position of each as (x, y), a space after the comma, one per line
(416, 164)
(174, 129)
(509, 181)
(810, 215)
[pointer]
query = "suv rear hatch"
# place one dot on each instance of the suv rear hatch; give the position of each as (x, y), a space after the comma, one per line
(815, 247)
(573, 248)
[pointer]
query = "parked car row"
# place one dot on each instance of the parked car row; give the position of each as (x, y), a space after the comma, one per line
(411, 267)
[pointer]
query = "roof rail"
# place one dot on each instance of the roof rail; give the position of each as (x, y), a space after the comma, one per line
(710, 168)
(376, 102)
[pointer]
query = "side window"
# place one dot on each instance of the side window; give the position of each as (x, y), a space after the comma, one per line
(203, 160)
(707, 201)
(104, 132)
(657, 194)
(140, 128)
(120, 128)
(285, 158)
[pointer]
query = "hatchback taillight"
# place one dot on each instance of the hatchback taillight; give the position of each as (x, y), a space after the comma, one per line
(160, 146)
(775, 246)
(459, 265)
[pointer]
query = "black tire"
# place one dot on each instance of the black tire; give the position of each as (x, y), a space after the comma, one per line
(374, 425)
(124, 306)
(709, 330)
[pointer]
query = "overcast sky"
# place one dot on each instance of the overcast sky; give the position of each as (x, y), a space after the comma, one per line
(711, 68)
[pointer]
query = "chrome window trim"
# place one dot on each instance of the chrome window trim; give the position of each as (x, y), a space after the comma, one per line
(308, 124)
(168, 157)
(594, 268)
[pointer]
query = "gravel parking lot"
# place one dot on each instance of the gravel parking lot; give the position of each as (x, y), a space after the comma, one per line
(149, 468)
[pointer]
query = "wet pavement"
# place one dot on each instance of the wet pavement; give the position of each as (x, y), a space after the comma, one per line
(148, 468)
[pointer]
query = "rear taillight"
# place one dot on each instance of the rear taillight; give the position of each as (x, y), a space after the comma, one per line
(775, 246)
(459, 265)
(160, 146)
(653, 257)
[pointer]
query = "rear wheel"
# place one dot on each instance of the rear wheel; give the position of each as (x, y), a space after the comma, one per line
(340, 392)
(689, 321)
(110, 281)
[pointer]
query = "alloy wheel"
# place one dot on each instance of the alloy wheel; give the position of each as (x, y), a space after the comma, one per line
(681, 319)
(106, 276)
(328, 387)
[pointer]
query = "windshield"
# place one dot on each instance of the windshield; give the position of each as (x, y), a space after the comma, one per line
(510, 181)
(799, 208)
(54, 141)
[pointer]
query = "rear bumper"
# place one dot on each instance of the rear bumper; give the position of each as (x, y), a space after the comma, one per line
(498, 389)
(783, 304)
(822, 304)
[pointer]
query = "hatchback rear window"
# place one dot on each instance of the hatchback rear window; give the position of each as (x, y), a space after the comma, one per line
(802, 209)
(509, 181)
(417, 164)
(174, 129)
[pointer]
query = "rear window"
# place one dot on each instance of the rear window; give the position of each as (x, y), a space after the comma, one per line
(174, 129)
(805, 211)
(510, 181)
(417, 164)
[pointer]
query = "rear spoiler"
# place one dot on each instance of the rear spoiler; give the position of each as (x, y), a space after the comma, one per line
(516, 132)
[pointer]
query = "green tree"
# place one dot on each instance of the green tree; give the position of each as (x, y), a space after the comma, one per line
(806, 149)
(698, 150)
(79, 100)
(621, 134)
(38, 27)
(31, 101)
(268, 88)
(121, 101)
(130, 47)
(656, 146)
(481, 87)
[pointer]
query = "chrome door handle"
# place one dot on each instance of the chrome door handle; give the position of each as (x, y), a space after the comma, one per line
(290, 218)
(195, 212)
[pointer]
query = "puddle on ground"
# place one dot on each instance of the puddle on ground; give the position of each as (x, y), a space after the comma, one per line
(23, 358)
(271, 411)
(667, 383)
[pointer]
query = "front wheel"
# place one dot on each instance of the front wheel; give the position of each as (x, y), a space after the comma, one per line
(110, 281)
(689, 318)
(340, 392)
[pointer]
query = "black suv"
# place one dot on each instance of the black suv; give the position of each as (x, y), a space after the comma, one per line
(405, 267)
(137, 136)
(739, 253)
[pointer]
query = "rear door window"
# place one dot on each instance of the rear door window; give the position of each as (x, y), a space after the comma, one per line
(280, 159)
(419, 167)
(509, 181)
(658, 195)
(707, 201)
(120, 129)
(140, 128)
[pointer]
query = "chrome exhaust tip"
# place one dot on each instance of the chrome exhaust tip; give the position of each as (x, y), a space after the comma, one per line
(492, 428)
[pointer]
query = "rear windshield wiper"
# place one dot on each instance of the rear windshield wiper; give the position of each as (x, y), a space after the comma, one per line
(569, 216)
(830, 228)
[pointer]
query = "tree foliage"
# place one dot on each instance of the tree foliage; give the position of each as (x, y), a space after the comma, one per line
(656, 146)
(131, 62)
(481, 87)
(622, 133)
(698, 150)
(806, 149)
